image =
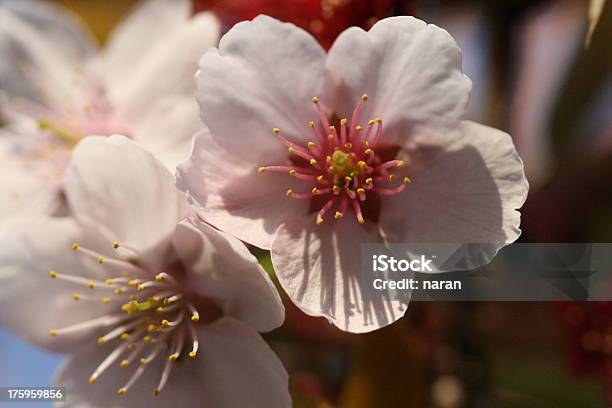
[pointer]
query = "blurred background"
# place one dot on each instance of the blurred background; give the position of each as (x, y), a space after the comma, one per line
(542, 72)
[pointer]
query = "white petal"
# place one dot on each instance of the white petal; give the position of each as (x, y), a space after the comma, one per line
(228, 192)
(466, 192)
(31, 303)
(411, 72)
(117, 188)
(168, 68)
(263, 76)
(319, 268)
(235, 368)
(41, 46)
(220, 268)
(167, 129)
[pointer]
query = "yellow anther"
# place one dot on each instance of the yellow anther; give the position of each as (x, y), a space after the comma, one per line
(53, 274)
(151, 328)
(369, 181)
(311, 123)
(100, 260)
(343, 121)
(118, 291)
(155, 392)
(292, 172)
(330, 137)
(407, 180)
(106, 300)
(348, 179)
(315, 99)
(338, 215)
(328, 159)
(261, 169)
(291, 150)
(360, 220)
(147, 339)
(101, 341)
(53, 332)
(311, 144)
(289, 193)
(76, 296)
(358, 128)
(365, 143)
(354, 173)
(159, 310)
(362, 164)
(124, 336)
(193, 354)
(165, 323)
(319, 221)
(371, 122)
(391, 177)
(195, 317)
(312, 162)
(348, 145)
(314, 190)
(361, 190)
(140, 288)
(320, 177)
(400, 163)
(368, 151)
(332, 128)
(92, 379)
(276, 130)
(159, 277)
(124, 363)
(172, 357)
(131, 346)
(109, 282)
(75, 246)
(336, 189)
(116, 245)
(133, 283)
(121, 391)
(91, 285)
(364, 97)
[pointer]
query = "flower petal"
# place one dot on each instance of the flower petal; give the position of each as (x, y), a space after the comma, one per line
(223, 270)
(263, 76)
(234, 368)
(167, 129)
(169, 63)
(465, 193)
(31, 303)
(410, 70)
(228, 192)
(41, 47)
(319, 268)
(117, 188)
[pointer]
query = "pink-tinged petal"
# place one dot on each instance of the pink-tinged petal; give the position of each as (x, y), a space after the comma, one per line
(466, 192)
(167, 68)
(29, 186)
(31, 303)
(223, 270)
(117, 188)
(319, 268)
(234, 368)
(228, 192)
(167, 129)
(41, 47)
(263, 76)
(410, 70)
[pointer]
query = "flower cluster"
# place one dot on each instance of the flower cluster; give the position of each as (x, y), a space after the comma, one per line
(144, 277)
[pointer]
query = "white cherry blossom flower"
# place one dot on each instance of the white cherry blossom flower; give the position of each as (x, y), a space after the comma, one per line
(311, 154)
(57, 87)
(154, 309)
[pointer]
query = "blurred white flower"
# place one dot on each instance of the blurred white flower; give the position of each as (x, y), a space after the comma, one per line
(146, 301)
(389, 157)
(56, 87)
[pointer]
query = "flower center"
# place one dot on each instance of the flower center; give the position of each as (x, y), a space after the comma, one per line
(143, 318)
(345, 168)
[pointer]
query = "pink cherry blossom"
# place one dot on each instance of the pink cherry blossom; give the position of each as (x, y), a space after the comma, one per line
(154, 307)
(311, 154)
(57, 86)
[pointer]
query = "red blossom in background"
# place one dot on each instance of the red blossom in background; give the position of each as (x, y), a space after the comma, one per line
(325, 19)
